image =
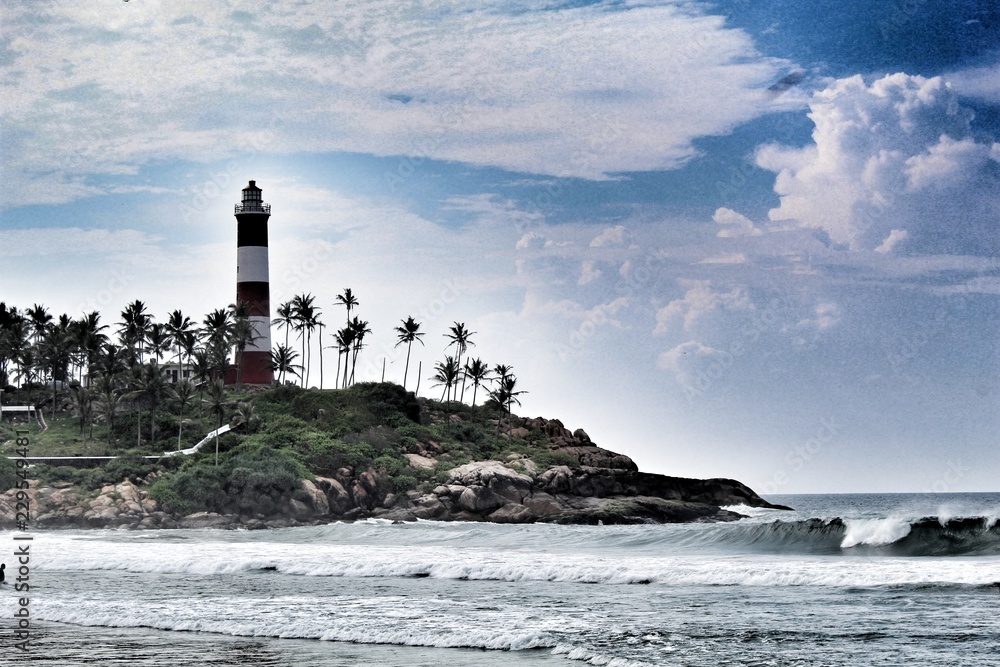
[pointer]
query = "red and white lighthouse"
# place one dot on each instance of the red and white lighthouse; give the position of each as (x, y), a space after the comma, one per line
(252, 291)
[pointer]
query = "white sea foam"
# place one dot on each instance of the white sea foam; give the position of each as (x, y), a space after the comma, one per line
(225, 556)
(874, 532)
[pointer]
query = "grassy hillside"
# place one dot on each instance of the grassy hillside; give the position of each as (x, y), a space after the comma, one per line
(287, 433)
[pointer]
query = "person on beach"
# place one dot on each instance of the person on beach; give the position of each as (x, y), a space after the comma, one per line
(3, 566)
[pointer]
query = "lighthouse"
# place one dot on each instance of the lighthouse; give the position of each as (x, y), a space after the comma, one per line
(252, 292)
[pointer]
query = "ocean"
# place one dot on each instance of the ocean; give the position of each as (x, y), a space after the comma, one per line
(893, 579)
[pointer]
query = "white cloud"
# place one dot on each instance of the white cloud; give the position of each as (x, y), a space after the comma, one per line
(731, 258)
(826, 314)
(684, 358)
(610, 236)
(586, 91)
(894, 155)
(734, 224)
(588, 273)
(894, 238)
(698, 302)
(530, 240)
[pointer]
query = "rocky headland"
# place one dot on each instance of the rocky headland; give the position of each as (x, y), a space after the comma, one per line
(601, 487)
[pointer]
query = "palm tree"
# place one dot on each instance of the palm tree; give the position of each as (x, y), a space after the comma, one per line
(447, 375)
(179, 328)
(54, 354)
(344, 340)
(283, 362)
(303, 310)
(217, 403)
(158, 340)
(460, 338)
(14, 344)
(246, 416)
(347, 299)
(478, 372)
(285, 318)
(135, 325)
(359, 329)
(407, 333)
(217, 333)
(40, 319)
(506, 394)
(108, 394)
(83, 403)
(149, 387)
(201, 372)
(241, 333)
(90, 340)
(183, 396)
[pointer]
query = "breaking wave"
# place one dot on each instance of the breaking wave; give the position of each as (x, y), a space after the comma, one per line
(929, 536)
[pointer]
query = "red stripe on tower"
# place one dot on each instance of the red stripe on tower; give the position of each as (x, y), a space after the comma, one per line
(252, 283)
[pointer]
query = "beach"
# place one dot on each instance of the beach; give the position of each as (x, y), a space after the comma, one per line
(777, 588)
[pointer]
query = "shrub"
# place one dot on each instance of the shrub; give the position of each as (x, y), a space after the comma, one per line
(252, 481)
(8, 474)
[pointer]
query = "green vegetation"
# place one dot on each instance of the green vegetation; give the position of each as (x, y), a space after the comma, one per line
(159, 387)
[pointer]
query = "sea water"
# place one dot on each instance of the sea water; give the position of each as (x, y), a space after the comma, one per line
(842, 580)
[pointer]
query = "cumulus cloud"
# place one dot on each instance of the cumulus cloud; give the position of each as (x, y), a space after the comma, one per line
(684, 358)
(894, 157)
(698, 302)
(734, 224)
(895, 237)
(610, 236)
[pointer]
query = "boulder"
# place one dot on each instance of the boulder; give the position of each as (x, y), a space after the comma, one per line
(420, 462)
(338, 499)
(480, 499)
(317, 498)
(512, 513)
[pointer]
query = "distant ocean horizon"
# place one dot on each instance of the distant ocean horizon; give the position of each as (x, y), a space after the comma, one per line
(843, 579)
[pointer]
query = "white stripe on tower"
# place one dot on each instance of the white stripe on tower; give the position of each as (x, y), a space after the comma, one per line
(251, 264)
(262, 330)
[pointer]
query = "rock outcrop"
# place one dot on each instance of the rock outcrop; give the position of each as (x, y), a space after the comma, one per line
(602, 487)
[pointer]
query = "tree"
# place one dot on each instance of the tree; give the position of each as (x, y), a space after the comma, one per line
(39, 318)
(217, 332)
(90, 340)
(460, 338)
(217, 402)
(505, 394)
(285, 318)
(348, 300)
(54, 354)
(446, 374)
(344, 340)
(108, 394)
(183, 396)
(241, 333)
(359, 329)
(283, 362)
(150, 388)
(304, 309)
(179, 328)
(158, 340)
(83, 403)
(135, 325)
(478, 372)
(407, 333)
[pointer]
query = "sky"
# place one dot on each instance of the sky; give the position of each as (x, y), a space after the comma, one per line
(752, 240)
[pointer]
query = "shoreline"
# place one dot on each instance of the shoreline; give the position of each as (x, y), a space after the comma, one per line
(480, 491)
